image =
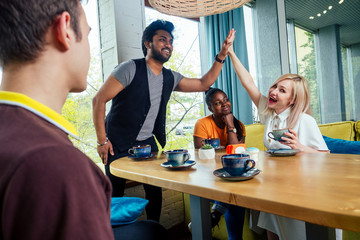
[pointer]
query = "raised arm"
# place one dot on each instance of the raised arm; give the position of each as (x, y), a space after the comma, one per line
(245, 78)
(203, 84)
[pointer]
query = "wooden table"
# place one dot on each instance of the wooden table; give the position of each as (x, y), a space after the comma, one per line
(318, 188)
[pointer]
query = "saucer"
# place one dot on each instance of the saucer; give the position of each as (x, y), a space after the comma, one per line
(221, 173)
(283, 152)
(187, 164)
(142, 158)
(219, 147)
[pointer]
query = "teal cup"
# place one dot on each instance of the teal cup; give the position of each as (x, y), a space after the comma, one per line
(214, 142)
(276, 134)
(237, 164)
(177, 157)
(140, 151)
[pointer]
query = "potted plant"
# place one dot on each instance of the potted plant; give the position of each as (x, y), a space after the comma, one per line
(206, 152)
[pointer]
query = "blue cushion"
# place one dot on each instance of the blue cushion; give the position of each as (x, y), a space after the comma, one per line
(125, 210)
(342, 146)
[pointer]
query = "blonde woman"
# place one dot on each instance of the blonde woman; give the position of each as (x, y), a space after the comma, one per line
(286, 106)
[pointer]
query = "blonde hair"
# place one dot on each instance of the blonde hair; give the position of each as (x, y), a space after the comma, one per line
(300, 98)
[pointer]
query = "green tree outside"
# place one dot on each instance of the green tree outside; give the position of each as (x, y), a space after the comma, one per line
(183, 109)
(78, 110)
(307, 68)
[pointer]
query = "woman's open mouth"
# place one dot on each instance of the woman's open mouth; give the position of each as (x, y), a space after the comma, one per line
(272, 100)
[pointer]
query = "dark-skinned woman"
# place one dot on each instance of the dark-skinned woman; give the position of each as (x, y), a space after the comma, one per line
(223, 125)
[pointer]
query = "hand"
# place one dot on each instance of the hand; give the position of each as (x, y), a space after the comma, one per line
(227, 44)
(104, 150)
(294, 143)
(292, 140)
(228, 120)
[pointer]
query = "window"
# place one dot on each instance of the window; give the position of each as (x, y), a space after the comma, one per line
(305, 52)
(348, 83)
(248, 18)
(78, 106)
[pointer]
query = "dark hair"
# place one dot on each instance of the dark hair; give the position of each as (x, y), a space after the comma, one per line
(24, 23)
(209, 94)
(150, 31)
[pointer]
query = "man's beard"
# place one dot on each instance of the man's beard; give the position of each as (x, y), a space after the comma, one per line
(158, 56)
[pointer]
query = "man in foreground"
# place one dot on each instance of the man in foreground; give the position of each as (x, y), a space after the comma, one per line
(48, 188)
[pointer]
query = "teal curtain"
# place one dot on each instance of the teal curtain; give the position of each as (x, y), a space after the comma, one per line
(216, 30)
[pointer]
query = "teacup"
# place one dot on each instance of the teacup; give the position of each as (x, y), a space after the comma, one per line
(214, 142)
(276, 134)
(237, 164)
(177, 157)
(140, 151)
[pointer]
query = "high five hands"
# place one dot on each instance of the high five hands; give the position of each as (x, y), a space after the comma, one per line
(228, 42)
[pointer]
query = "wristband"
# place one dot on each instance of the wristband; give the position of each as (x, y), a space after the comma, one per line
(102, 144)
(218, 59)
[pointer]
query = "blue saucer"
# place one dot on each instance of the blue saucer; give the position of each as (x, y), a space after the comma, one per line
(142, 158)
(221, 173)
(187, 164)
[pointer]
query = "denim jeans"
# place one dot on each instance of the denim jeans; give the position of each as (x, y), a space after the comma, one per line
(234, 218)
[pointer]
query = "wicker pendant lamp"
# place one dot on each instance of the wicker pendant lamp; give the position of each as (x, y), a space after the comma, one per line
(195, 8)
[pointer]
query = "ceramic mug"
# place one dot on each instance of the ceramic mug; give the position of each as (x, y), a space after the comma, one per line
(177, 157)
(237, 164)
(140, 151)
(214, 142)
(276, 134)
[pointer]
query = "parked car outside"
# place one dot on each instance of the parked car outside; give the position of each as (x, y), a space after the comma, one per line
(178, 131)
(184, 130)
